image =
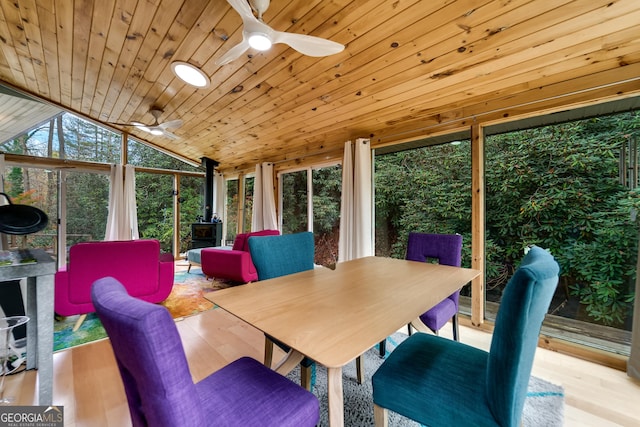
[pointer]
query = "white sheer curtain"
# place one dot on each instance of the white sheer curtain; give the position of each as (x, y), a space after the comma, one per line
(218, 194)
(356, 210)
(264, 201)
(122, 219)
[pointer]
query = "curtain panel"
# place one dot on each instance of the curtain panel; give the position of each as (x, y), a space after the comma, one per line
(218, 194)
(264, 201)
(122, 218)
(356, 204)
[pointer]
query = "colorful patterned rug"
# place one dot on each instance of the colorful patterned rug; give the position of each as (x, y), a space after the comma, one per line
(186, 299)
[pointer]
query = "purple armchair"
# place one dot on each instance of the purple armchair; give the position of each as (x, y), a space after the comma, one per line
(158, 384)
(138, 264)
(235, 264)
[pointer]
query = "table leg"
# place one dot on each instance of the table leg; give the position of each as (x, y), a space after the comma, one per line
(335, 396)
(288, 362)
(40, 334)
(44, 297)
(32, 324)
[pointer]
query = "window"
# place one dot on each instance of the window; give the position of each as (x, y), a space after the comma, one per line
(231, 207)
(295, 206)
(327, 189)
(34, 187)
(427, 190)
(86, 187)
(571, 188)
(87, 199)
(310, 201)
(154, 196)
(66, 136)
(248, 204)
(191, 199)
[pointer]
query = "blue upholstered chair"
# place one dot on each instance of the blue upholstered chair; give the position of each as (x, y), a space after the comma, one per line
(446, 249)
(440, 382)
(159, 388)
(275, 256)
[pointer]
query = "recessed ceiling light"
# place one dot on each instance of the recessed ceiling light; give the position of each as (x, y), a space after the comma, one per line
(259, 41)
(190, 74)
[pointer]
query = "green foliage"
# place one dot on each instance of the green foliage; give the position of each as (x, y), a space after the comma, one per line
(424, 190)
(603, 268)
(232, 209)
(17, 182)
(87, 206)
(248, 204)
(556, 187)
(327, 189)
(294, 202)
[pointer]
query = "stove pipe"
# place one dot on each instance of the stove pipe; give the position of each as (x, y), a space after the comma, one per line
(209, 166)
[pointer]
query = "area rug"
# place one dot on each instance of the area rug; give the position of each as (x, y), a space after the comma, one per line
(544, 406)
(186, 299)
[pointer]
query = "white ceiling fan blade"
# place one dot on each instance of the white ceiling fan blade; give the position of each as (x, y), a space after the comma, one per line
(308, 45)
(169, 134)
(243, 9)
(171, 124)
(159, 130)
(142, 126)
(251, 24)
(234, 52)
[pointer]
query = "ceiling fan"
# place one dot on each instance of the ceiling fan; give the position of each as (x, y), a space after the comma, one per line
(260, 36)
(157, 128)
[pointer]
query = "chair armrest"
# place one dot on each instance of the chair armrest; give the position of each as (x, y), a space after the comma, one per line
(166, 257)
(62, 306)
(165, 276)
(228, 264)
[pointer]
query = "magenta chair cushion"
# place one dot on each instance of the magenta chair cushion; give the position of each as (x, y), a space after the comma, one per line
(235, 264)
(137, 264)
(157, 380)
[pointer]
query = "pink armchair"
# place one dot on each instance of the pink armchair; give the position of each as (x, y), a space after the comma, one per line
(137, 264)
(234, 264)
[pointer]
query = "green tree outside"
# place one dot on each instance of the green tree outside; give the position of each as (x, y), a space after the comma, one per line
(557, 187)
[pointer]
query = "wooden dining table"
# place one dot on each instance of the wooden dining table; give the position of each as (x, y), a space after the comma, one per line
(334, 316)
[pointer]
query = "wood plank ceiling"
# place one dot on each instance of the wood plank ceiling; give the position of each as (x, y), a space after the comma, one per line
(410, 68)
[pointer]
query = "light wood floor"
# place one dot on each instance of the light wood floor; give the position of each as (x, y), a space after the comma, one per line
(87, 383)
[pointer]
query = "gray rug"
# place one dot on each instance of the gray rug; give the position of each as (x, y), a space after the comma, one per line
(544, 406)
